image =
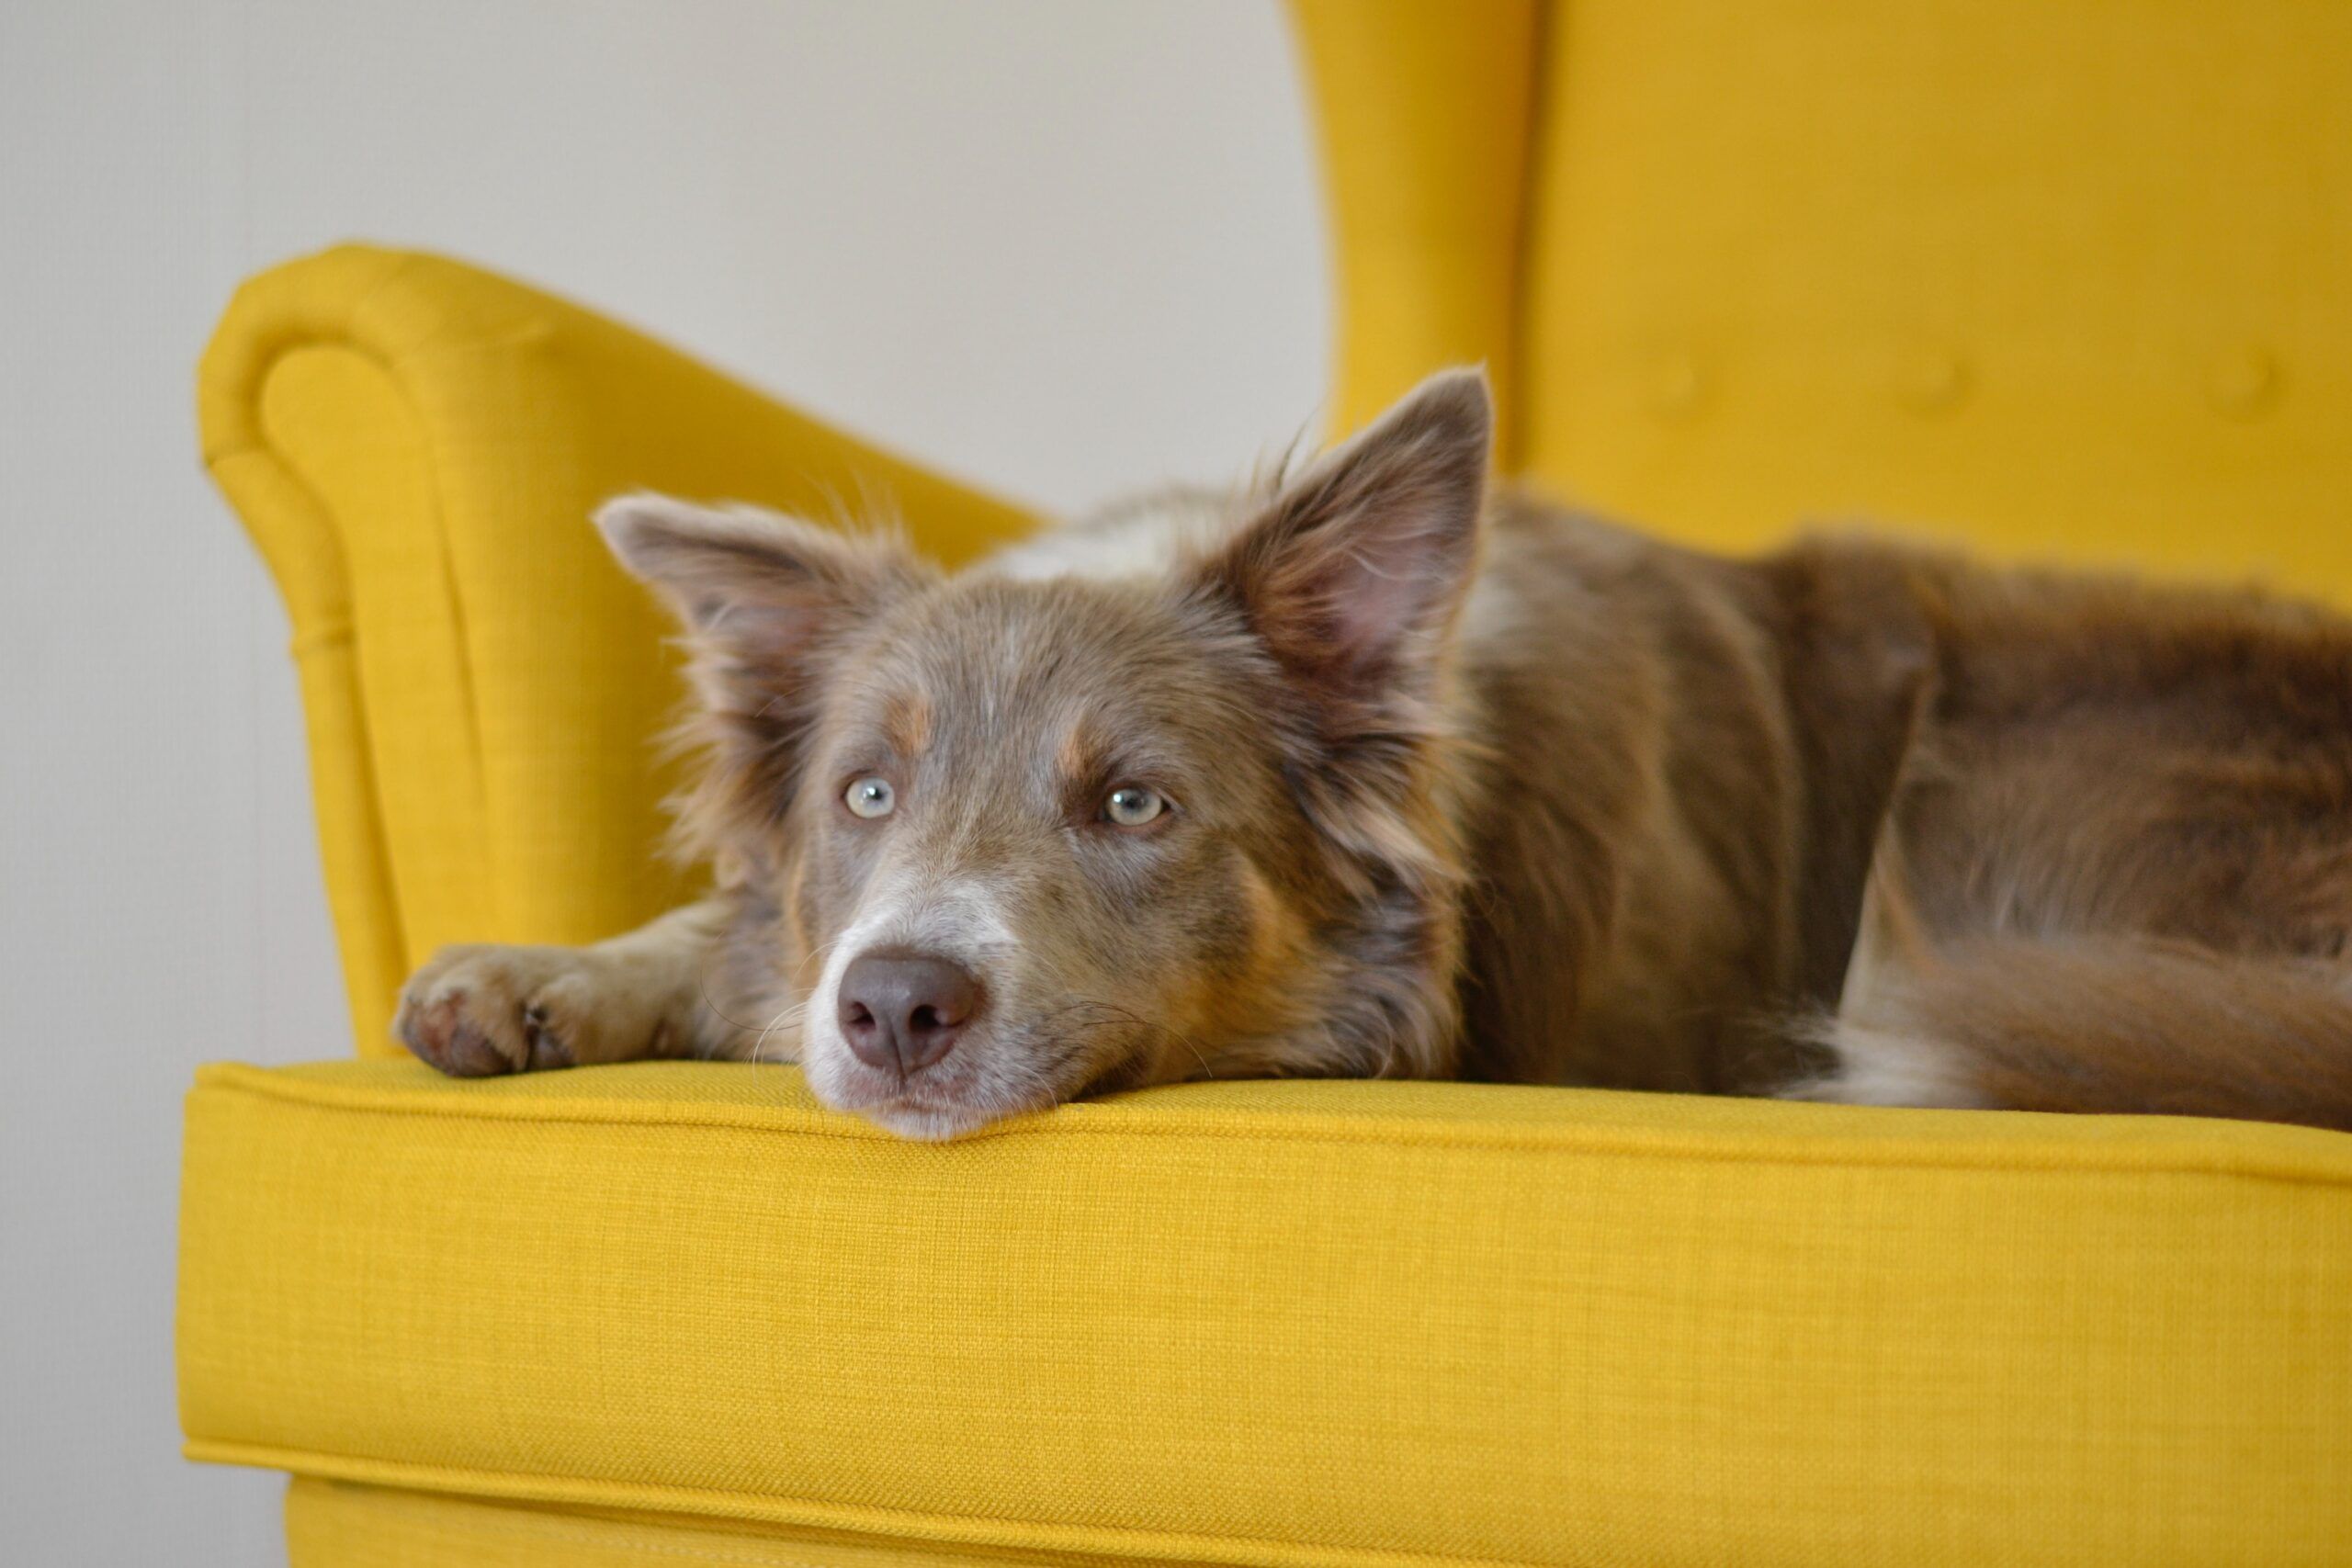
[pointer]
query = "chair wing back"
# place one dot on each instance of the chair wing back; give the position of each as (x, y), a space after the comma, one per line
(2057, 279)
(416, 446)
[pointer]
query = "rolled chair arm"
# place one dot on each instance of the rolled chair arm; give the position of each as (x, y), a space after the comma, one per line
(416, 446)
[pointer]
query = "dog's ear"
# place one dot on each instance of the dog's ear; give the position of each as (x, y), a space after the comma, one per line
(1353, 574)
(764, 584)
(764, 598)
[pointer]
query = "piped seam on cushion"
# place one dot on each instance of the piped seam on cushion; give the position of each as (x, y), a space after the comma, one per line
(545, 1528)
(1112, 1121)
(850, 1517)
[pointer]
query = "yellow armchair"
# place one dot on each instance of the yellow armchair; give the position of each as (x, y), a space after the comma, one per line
(1948, 263)
(415, 445)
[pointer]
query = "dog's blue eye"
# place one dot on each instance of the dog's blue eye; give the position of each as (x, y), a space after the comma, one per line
(1132, 805)
(871, 798)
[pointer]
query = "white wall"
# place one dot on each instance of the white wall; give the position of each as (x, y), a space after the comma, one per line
(1060, 245)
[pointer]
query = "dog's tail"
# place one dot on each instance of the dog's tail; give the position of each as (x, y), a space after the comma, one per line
(2099, 1024)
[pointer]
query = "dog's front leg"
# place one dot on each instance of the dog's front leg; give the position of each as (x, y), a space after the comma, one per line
(482, 1008)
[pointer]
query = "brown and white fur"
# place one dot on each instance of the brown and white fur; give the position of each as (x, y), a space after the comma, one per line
(1454, 786)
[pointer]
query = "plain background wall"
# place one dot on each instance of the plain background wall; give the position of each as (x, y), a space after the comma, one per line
(1061, 246)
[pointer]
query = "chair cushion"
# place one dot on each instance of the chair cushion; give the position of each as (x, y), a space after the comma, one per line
(1344, 1322)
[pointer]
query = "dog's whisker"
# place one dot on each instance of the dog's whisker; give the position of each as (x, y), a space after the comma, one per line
(790, 1016)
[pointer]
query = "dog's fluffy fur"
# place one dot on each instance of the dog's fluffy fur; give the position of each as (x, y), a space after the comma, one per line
(1460, 785)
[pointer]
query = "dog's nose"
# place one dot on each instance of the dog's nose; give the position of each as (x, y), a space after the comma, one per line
(905, 1009)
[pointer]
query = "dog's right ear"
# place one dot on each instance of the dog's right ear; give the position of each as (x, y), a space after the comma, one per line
(759, 582)
(764, 598)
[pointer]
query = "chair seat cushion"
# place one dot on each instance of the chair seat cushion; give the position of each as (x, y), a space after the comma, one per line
(1331, 1323)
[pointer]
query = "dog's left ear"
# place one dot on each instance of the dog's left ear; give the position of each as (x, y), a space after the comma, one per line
(1352, 575)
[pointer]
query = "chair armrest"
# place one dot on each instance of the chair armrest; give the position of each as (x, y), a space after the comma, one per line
(415, 445)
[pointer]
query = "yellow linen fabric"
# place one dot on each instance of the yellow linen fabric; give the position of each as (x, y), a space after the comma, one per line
(336, 1524)
(1350, 1322)
(1426, 114)
(416, 446)
(2055, 280)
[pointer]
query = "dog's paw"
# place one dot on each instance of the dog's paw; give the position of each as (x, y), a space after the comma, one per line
(480, 1010)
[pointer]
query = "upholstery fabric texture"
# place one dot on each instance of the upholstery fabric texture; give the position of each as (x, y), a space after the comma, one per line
(2055, 280)
(333, 1524)
(1345, 1323)
(2058, 281)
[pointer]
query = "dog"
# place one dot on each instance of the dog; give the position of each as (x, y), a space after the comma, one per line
(1367, 772)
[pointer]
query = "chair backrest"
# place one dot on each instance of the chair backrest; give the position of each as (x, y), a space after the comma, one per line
(2058, 278)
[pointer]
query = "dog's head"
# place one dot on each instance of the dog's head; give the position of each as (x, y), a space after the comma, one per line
(1025, 840)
